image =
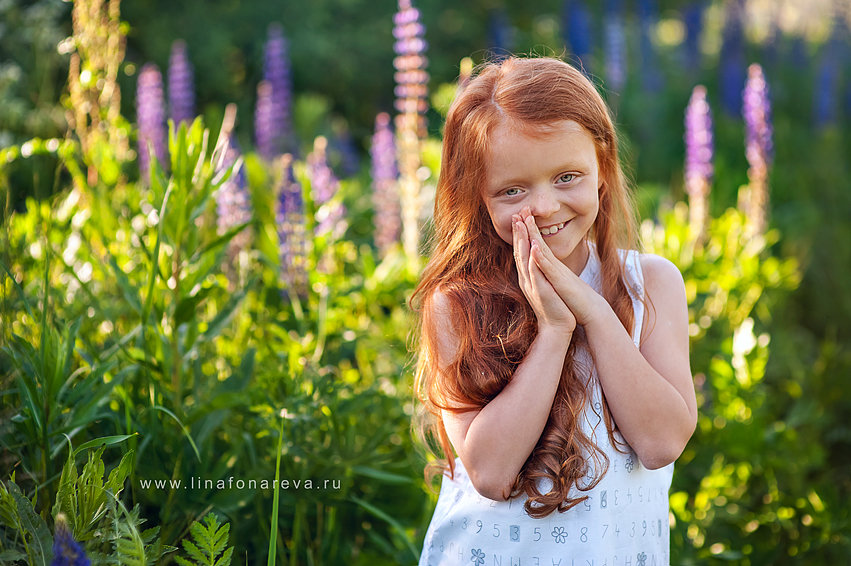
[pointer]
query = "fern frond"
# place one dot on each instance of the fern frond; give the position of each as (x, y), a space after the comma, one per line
(208, 547)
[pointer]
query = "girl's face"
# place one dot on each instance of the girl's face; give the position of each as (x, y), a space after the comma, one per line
(556, 175)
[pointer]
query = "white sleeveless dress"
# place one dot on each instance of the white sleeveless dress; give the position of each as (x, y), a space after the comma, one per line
(624, 521)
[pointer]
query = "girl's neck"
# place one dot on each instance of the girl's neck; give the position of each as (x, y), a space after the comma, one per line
(579, 259)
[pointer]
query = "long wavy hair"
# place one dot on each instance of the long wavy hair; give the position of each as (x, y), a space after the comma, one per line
(474, 269)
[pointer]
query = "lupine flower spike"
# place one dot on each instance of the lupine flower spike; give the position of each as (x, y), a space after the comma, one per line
(732, 57)
(265, 126)
(276, 71)
(233, 202)
(291, 232)
(411, 95)
(615, 45)
(693, 20)
(577, 32)
(181, 85)
(330, 213)
(150, 118)
(758, 148)
(66, 551)
(698, 166)
(385, 198)
(648, 15)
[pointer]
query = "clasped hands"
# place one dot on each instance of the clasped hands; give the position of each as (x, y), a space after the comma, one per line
(559, 298)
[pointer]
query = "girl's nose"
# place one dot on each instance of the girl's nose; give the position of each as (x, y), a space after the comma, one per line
(545, 203)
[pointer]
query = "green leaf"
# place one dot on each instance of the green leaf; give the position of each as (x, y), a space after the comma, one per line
(66, 496)
(208, 544)
(104, 441)
(40, 543)
(382, 475)
(182, 427)
(130, 292)
(185, 310)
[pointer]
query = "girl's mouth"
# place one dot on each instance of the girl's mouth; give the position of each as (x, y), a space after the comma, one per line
(554, 229)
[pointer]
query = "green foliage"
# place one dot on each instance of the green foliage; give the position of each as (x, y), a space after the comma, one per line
(741, 493)
(210, 544)
(83, 498)
(88, 503)
(23, 527)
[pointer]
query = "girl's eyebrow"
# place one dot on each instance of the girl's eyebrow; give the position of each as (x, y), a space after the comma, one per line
(568, 166)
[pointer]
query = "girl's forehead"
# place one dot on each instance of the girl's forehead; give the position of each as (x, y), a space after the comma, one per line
(514, 127)
(506, 133)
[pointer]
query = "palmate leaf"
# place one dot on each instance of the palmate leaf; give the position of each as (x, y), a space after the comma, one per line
(209, 546)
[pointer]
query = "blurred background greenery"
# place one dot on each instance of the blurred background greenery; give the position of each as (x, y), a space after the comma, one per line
(199, 334)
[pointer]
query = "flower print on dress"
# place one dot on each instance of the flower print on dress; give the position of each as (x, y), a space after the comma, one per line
(559, 535)
(629, 464)
(478, 557)
(641, 559)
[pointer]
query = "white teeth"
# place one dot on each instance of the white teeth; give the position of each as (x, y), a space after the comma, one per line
(552, 229)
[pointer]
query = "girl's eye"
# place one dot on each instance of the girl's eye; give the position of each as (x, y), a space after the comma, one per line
(512, 191)
(566, 178)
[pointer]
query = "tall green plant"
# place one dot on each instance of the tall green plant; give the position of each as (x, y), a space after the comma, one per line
(727, 484)
(58, 393)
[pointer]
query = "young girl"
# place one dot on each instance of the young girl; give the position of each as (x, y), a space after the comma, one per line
(553, 358)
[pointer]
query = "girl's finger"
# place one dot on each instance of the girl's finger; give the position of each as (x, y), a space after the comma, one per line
(521, 256)
(539, 283)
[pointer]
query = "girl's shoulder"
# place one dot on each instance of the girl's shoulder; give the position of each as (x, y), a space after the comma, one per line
(658, 271)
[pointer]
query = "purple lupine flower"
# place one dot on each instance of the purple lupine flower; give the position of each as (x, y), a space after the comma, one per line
(233, 203)
(410, 62)
(411, 103)
(330, 215)
(181, 85)
(732, 62)
(266, 133)
(614, 39)
(757, 112)
(758, 149)
(289, 218)
(698, 166)
(693, 20)
(385, 198)
(150, 118)
(276, 71)
(499, 35)
(67, 551)
(648, 15)
(698, 136)
(577, 31)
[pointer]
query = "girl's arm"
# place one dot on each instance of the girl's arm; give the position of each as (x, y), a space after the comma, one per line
(495, 441)
(649, 391)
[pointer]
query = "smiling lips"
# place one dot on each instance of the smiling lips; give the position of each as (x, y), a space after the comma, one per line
(550, 230)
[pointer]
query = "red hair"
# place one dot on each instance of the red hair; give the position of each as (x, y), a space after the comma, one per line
(474, 269)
